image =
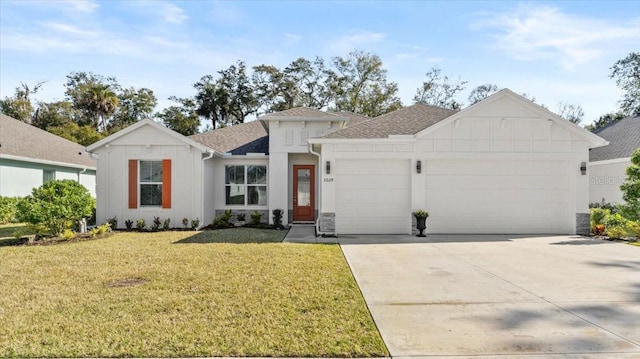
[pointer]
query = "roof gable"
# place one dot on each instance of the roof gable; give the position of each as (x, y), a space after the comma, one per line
(623, 137)
(405, 121)
(22, 141)
(512, 104)
(142, 124)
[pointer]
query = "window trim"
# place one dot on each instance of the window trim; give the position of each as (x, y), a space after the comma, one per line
(50, 172)
(246, 185)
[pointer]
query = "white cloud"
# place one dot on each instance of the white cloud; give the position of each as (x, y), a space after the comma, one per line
(291, 39)
(173, 14)
(532, 33)
(356, 40)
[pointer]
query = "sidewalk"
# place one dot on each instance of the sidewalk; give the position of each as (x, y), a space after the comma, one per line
(305, 233)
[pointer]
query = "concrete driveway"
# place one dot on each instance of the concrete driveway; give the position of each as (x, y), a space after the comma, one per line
(499, 296)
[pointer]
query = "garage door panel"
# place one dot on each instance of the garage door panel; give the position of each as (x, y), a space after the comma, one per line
(373, 196)
(498, 196)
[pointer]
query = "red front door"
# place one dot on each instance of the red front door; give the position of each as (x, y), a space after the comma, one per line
(303, 193)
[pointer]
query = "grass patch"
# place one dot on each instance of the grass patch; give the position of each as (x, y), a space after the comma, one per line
(182, 294)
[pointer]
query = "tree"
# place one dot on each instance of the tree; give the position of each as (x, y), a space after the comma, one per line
(631, 188)
(52, 114)
(182, 119)
(94, 96)
(481, 92)
(439, 91)
(133, 106)
(20, 106)
(84, 135)
(227, 100)
(360, 85)
(605, 120)
(571, 113)
(55, 206)
(627, 75)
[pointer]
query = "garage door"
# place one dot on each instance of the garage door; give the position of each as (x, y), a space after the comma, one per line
(498, 196)
(373, 197)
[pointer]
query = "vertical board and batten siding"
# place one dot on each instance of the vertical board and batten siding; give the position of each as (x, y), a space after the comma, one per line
(118, 167)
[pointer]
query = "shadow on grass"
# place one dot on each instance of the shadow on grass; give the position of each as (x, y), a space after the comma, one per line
(236, 235)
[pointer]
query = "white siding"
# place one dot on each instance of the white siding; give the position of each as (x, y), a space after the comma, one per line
(18, 178)
(605, 178)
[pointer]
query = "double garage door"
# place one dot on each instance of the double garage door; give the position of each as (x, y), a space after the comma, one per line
(462, 196)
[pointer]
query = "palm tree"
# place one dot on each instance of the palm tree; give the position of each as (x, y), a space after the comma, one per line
(102, 102)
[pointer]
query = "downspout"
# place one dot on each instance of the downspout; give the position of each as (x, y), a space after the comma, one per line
(80, 173)
(319, 198)
(211, 153)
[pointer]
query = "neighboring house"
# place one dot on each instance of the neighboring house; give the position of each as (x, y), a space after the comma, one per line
(608, 165)
(504, 165)
(30, 157)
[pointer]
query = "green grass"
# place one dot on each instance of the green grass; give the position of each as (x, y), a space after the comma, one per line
(182, 294)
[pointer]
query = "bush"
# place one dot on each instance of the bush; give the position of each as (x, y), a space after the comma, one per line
(129, 224)
(67, 234)
(598, 217)
(616, 232)
(277, 218)
(113, 222)
(157, 222)
(166, 224)
(223, 221)
(185, 222)
(55, 206)
(195, 222)
(8, 209)
(256, 218)
(140, 224)
(604, 205)
(631, 188)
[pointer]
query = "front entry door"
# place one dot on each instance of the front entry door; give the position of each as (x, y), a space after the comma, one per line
(303, 193)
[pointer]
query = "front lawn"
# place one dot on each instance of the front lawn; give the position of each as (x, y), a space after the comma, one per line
(182, 294)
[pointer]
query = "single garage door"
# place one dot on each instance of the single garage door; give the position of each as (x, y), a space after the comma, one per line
(498, 196)
(373, 196)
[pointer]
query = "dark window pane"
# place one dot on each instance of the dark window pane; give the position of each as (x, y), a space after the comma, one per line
(257, 174)
(234, 194)
(150, 194)
(257, 195)
(234, 175)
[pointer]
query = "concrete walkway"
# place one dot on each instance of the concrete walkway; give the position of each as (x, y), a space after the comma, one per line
(498, 296)
(305, 233)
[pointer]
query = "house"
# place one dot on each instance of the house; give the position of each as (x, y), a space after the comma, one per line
(503, 165)
(607, 165)
(30, 156)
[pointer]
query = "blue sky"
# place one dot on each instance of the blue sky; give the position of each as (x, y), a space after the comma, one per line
(555, 51)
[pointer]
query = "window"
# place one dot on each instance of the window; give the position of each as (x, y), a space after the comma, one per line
(48, 175)
(150, 183)
(246, 185)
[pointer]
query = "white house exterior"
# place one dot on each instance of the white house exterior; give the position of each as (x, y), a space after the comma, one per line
(608, 165)
(30, 157)
(504, 165)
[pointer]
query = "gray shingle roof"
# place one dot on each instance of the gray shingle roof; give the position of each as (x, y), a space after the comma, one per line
(238, 139)
(405, 121)
(299, 112)
(623, 137)
(23, 140)
(354, 118)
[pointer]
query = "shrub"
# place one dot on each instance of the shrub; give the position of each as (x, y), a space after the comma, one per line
(67, 234)
(140, 224)
(241, 217)
(185, 222)
(256, 218)
(55, 206)
(113, 222)
(103, 228)
(604, 205)
(598, 229)
(616, 232)
(8, 209)
(277, 218)
(166, 224)
(129, 224)
(598, 217)
(631, 188)
(195, 223)
(157, 222)
(223, 221)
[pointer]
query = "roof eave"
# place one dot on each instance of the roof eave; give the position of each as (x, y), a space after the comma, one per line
(47, 162)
